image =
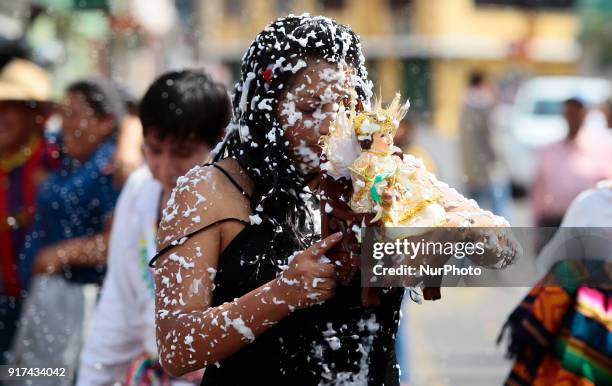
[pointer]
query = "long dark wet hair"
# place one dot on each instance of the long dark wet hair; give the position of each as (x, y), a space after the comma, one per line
(256, 138)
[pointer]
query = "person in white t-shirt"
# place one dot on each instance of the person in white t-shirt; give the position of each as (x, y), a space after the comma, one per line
(591, 209)
(183, 115)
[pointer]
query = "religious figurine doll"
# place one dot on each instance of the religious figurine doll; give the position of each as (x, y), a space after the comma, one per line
(383, 182)
(367, 181)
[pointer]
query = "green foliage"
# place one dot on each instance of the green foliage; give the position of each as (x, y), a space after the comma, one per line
(90, 4)
(596, 29)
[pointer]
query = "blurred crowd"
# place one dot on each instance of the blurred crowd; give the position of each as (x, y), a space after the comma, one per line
(63, 167)
(82, 181)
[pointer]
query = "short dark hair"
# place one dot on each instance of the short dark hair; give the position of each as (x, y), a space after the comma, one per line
(476, 78)
(366, 144)
(185, 105)
(102, 96)
(576, 101)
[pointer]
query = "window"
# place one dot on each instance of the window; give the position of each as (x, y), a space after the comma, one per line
(332, 4)
(417, 84)
(233, 7)
(548, 107)
(530, 3)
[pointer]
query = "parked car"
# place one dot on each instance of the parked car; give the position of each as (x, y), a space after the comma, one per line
(536, 118)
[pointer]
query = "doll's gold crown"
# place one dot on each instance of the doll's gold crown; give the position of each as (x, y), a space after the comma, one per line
(379, 119)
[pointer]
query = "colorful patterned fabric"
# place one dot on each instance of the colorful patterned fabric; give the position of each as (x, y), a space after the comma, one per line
(18, 184)
(143, 263)
(145, 371)
(561, 333)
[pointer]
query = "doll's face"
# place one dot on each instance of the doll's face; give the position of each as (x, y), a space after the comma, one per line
(309, 106)
(381, 141)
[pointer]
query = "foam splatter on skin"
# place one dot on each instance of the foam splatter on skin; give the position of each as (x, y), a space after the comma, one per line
(312, 104)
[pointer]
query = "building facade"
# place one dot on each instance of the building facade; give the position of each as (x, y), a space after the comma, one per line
(422, 48)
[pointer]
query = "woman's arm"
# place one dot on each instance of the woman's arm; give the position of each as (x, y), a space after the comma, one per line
(460, 210)
(192, 335)
(89, 251)
(475, 224)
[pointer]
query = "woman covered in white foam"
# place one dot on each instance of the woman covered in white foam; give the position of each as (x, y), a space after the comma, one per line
(242, 284)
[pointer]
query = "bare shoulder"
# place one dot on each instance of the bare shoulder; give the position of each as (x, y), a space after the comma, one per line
(202, 197)
(233, 168)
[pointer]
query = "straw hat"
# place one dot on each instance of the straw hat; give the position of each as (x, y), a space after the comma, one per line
(22, 80)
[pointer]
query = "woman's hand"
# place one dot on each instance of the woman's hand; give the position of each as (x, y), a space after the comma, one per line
(311, 277)
(88, 251)
(47, 261)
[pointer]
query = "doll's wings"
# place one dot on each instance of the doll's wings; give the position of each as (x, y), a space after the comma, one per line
(340, 146)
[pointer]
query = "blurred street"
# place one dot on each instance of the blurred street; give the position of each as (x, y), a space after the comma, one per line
(452, 340)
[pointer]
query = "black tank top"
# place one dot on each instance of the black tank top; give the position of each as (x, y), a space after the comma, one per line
(325, 344)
